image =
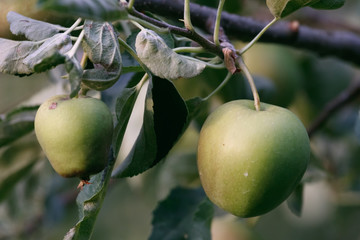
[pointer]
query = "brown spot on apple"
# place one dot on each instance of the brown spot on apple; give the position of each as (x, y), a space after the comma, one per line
(53, 105)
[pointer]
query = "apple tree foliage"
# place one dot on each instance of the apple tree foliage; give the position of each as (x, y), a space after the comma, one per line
(118, 52)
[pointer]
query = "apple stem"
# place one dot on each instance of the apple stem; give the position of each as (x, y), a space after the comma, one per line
(251, 81)
(82, 183)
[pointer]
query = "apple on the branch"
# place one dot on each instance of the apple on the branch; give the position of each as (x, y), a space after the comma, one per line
(75, 134)
(250, 161)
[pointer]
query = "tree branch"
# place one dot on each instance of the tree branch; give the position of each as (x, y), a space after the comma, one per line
(342, 99)
(210, 46)
(341, 44)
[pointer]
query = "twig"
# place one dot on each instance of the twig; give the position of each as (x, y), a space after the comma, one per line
(341, 44)
(205, 43)
(342, 99)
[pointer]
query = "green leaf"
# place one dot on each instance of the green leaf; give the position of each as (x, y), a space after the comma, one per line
(12, 55)
(357, 127)
(15, 163)
(165, 118)
(328, 4)
(26, 57)
(75, 72)
(89, 201)
(106, 10)
(124, 107)
(184, 214)
(295, 201)
(162, 60)
(50, 53)
(101, 44)
(17, 124)
(282, 8)
(32, 29)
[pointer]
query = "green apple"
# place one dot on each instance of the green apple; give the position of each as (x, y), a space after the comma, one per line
(250, 161)
(75, 134)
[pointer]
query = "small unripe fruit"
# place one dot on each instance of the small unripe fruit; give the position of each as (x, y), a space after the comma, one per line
(75, 134)
(250, 161)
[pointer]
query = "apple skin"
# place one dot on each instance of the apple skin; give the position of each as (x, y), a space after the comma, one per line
(250, 161)
(75, 134)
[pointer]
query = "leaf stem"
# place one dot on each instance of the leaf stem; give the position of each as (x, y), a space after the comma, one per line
(217, 22)
(131, 4)
(189, 50)
(222, 84)
(142, 82)
(139, 22)
(73, 27)
(250, 79)
(257, 37)
(72, 51)
(137, 25)
(187, 18)
(84, 60)
(211, 65)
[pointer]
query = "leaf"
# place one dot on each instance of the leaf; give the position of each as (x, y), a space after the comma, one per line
(295, 201)
(282, 8)
(106, 10)
(26, 57)
(328, 4)
(15, 163)
(162, 60)
(101, 44)
(50, 54)
(124, 107)
(17, 124)
(89, 201)
(165, 118)
(12, 55)
(75, 71)
(357, 127)
(32, 29)
(184, 214)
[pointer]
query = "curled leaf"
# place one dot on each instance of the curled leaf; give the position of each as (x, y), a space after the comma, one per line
(50, 54)
(12, 54)
(27, 57)
(162, 60)
(164, 120)
(75, 72)
(101, 45)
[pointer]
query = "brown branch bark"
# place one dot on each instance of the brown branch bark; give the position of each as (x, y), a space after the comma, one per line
(344, 45)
